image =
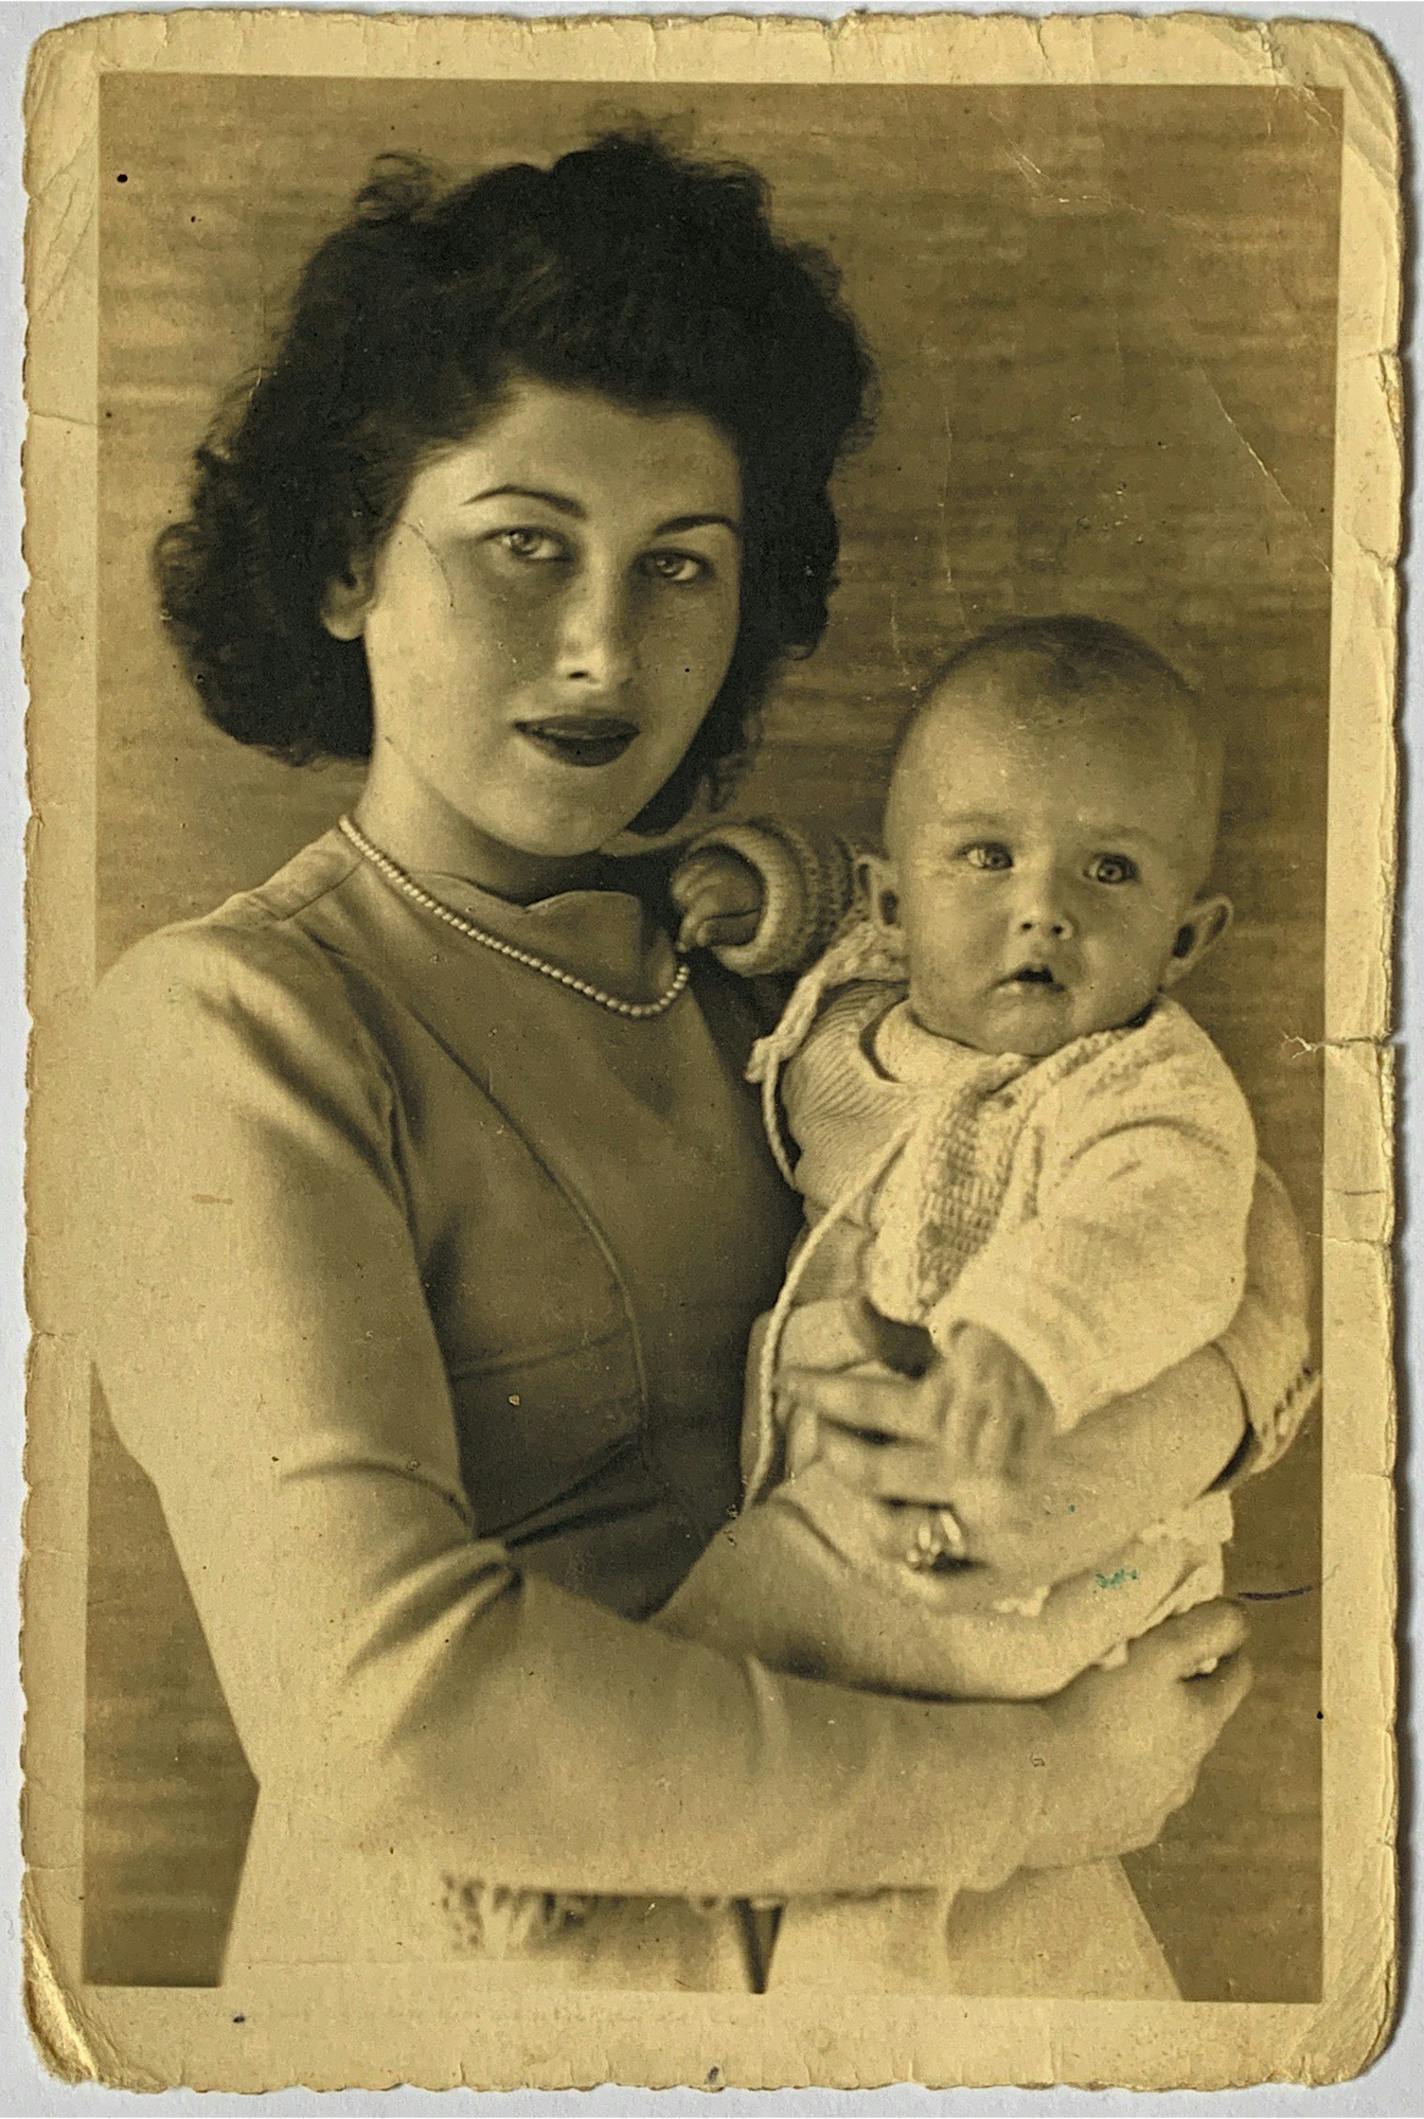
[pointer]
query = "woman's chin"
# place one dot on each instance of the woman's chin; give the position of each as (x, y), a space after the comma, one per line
(572, 835)
(579, 843)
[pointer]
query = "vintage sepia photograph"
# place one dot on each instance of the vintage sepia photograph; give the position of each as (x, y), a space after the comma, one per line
(728, 1007)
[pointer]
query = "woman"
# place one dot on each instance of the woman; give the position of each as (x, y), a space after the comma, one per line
(437, 1210)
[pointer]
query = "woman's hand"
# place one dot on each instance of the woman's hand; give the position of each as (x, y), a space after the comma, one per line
(1077, 1502)
(1125, 1746)
(1090, 1491)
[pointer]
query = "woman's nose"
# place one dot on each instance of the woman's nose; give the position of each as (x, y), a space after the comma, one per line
(595, 648)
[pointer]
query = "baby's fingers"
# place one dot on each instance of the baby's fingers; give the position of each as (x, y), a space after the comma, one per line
(692, 932)
(693, 882)
(717, 930)
(701, 908)
(698, 897)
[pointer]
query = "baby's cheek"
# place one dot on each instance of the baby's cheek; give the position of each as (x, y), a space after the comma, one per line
(1129, 962)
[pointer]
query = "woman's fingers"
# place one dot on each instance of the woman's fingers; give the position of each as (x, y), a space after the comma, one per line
(1196, 1640)
(1218, 1694)
(868, 1400)
(886, 1468)
(821, 1337)
(1202, 1650)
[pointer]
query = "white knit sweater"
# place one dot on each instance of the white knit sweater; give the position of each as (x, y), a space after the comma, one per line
(1090, 1208)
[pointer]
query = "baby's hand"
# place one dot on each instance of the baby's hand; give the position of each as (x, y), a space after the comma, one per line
(720, 897)
(997, 1414)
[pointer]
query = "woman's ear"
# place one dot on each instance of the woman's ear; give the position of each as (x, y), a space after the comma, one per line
(879, 889)
(346, 600)
(1199, 933)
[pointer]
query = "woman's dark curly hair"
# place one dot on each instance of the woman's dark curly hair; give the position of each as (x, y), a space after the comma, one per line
(625, 268)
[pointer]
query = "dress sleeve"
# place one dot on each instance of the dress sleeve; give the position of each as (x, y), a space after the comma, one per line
(263, 1337)
(1135, 1254)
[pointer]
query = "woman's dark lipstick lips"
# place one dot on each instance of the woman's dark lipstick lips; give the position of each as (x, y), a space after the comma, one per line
(580, 739)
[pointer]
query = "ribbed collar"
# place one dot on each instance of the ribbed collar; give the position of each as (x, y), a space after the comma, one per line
(909, 1053)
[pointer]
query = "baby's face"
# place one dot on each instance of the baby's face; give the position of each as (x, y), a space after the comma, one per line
(1043, 869)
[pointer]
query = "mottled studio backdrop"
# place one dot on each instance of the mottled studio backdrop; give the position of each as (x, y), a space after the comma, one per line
(1105, 325)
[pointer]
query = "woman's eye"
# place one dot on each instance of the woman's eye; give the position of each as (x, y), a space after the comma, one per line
(679, 568)
(1112, 868)
(987, 853)
(532, 545)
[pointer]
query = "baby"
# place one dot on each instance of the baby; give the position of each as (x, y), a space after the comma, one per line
(1010, 1141)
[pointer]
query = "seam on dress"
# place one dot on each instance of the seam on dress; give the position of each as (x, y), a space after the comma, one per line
(570, 1194)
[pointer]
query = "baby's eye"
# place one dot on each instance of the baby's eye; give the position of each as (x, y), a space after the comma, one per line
(679, 568)
(1112, 868)
(537, 547)
(987, 853)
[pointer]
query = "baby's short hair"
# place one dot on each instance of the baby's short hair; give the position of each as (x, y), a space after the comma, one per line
(1071, 656)
(1073, 662)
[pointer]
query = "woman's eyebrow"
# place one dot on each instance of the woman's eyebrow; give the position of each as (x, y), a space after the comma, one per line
(561, 502)
(565, 504)
(697, 522)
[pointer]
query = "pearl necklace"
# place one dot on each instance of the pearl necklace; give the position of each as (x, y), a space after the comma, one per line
(635, 1011)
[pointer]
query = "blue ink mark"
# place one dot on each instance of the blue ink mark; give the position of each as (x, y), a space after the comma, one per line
(1117, 1578)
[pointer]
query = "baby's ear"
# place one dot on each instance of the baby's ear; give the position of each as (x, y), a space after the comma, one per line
(879, 890)
(1202, 928)
(346, 600)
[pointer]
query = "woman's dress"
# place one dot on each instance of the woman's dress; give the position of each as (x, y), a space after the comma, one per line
(423, 1296)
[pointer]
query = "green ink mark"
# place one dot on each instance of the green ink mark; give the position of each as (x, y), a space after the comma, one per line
(1117, 1578)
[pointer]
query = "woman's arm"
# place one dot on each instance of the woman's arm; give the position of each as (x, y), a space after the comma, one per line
(269, 1358)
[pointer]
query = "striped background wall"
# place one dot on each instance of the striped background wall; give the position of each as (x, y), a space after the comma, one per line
(1104, 320)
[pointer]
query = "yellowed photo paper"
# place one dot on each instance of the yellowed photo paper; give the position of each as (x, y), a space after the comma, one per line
(710, 1170)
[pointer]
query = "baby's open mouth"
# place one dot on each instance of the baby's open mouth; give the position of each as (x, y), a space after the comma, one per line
(1034, 975)
(580, 739)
